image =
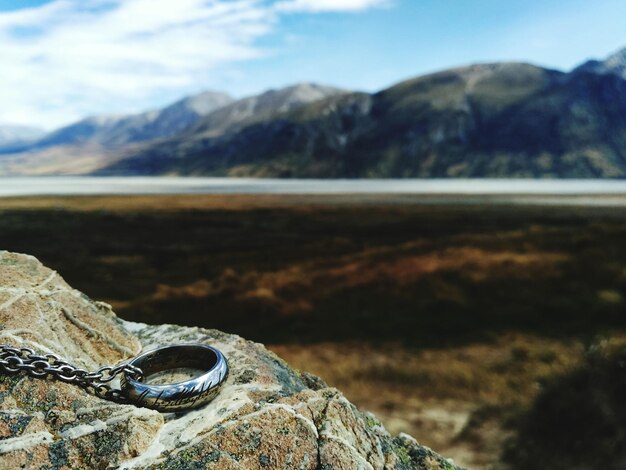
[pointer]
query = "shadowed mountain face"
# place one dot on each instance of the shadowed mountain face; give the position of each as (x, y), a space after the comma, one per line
(615, 64)
(116, 131)
(494, 120)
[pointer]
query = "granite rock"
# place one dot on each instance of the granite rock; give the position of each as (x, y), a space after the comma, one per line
(267, 416)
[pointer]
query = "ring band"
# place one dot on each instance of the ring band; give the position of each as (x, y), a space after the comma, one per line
(178, 396)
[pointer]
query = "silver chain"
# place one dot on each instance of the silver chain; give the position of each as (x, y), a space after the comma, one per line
(16, 360)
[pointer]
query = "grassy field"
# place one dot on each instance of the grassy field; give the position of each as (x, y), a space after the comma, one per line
(447, 320)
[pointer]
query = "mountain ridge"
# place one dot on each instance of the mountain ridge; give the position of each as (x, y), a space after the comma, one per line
(94, 142)
(614, 64)
(118, 130)
(496, 120)
(506, 119)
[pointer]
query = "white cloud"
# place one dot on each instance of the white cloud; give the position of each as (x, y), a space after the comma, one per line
(70, 58)
(329, 5)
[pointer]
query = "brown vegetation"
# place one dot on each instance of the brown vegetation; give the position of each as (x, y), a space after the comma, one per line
(446, 320)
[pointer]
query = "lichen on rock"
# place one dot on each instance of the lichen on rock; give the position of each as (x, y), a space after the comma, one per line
(267, 415)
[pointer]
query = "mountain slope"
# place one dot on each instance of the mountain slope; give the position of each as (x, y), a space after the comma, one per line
(257, 107)
(497, 120)
(614, 64)
(117, 131)
(227, 120)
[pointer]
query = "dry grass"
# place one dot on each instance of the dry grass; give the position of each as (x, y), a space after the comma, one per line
(445, 320)
(457, 400)
(396, 267)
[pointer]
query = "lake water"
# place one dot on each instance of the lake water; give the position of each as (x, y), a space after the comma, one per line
(582, 191)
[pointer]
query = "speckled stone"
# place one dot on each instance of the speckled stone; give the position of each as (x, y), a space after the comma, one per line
(267, 416)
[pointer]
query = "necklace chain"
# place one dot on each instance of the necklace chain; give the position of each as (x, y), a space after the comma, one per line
(15, 360)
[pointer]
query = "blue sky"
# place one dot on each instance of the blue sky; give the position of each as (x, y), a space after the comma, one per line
(64, 59)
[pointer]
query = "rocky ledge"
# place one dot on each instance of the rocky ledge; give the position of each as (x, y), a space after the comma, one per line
(267, 416)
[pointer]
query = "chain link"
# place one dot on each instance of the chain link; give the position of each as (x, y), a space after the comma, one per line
(15, 360)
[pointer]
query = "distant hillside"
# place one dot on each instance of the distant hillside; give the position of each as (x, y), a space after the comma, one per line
(117, 131)
(259, 107)
(92, 143)
(225, 121)
(492, 120)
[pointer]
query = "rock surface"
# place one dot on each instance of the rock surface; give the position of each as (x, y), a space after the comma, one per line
(266, 416)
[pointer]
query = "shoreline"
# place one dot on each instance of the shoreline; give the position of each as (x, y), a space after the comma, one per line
(443, 188)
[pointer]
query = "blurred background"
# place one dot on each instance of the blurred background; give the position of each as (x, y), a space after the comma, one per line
(422, 202)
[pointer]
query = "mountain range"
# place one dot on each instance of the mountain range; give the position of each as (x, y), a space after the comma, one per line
(484, 120)
(117, 131)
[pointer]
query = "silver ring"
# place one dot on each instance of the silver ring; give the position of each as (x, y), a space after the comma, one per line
(178, 396)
